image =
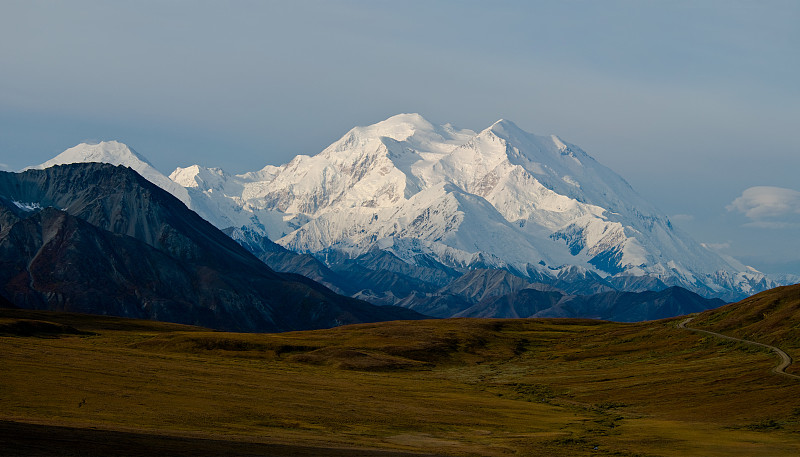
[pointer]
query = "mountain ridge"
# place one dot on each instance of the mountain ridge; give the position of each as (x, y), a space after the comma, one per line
(498, 198)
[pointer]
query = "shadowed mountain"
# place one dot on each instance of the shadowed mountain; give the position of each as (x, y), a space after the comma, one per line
(5, 303)
(381, 278)
(496, 293)
(281, 259)
(101, 239)
(520, 304)
(632, 306)
(470, 295)
(425, 269)
(500, 294)
(479, 284)
(579, 281)
(636, 283)
(377, 276)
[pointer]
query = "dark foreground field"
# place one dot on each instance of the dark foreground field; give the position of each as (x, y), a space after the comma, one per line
(83, 385)
(23, 440)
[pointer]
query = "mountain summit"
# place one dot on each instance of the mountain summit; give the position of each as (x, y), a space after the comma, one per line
(116, 153)
(537, 206)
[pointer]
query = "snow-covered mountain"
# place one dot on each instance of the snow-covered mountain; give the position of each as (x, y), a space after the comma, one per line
(537, 206)
(116, 153)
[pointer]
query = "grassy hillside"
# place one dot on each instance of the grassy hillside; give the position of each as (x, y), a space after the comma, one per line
(771, 317)
(446, 387)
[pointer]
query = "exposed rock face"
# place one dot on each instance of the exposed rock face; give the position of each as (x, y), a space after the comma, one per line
(101, 239)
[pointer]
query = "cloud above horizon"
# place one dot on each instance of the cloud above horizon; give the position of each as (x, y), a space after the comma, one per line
(769, 207)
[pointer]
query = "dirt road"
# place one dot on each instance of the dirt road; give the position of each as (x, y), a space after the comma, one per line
(786, 360)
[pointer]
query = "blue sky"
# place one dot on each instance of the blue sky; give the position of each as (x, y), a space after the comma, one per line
(694, 102)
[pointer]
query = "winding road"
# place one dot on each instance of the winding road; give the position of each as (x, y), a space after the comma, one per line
(786, 360)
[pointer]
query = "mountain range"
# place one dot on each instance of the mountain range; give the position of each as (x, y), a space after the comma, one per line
(444, 201)
(101, 239)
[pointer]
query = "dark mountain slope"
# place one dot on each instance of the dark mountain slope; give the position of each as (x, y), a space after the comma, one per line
(481, 293)
(632, 306)
(281, 259)
(425, 269)
(5, 303)
(377, 276)
(519, 304)
(122, 246)
(119, 200)
(578, 281)
(476, 285)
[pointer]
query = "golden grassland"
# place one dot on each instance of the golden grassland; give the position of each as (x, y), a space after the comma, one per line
(446, 387)
(771, 317)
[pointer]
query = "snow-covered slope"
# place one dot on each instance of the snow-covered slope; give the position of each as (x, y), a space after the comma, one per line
(500, 198)
(116, 153)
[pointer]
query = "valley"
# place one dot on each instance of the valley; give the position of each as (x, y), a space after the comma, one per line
(445, 387)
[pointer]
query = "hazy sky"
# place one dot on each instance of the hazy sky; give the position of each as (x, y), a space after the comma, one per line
(696, 103)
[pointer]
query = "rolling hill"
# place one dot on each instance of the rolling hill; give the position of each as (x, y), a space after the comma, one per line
(771, 317)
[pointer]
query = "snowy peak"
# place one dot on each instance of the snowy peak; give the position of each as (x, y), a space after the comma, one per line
(117, 153)
(400, 127)
(548, 150)
(376, 166)
(566, 169)
(112, 152)
(414, 132)
(199, 177)
(506, 129)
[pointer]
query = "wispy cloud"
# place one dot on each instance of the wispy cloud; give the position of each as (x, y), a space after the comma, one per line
(4, 167)
(769, 207)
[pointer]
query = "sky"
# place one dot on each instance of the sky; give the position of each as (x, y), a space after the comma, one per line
(695, 103)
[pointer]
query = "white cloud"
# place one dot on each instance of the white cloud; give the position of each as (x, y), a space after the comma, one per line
(769, 207)
(4, 167)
